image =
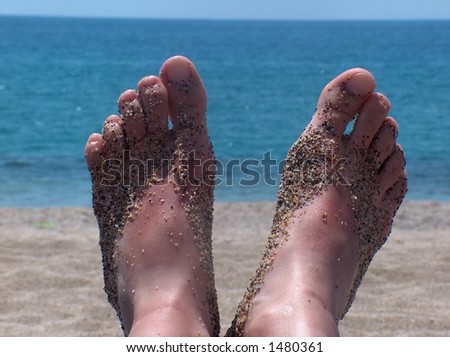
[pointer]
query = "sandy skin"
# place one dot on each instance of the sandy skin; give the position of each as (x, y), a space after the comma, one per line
(153, 197)
(153, 200)
(338, 196)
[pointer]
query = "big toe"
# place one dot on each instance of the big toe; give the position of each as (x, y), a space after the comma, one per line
(187, 102)
(341, 100)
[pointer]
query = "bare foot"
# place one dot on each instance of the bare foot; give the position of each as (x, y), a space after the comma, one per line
(338, 196)
(153, 198)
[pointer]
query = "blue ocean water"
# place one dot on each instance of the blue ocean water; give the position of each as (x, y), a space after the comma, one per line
(60, 78)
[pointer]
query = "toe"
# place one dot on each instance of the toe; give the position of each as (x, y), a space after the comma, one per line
(342, 98)
(395, 194)
(154, 101)
(187, 101)
(393, 199)
(371, 117)
(113, 137)
(392, 169)
(385, 139)
(133, 117)
(94, 151)
(125, 99)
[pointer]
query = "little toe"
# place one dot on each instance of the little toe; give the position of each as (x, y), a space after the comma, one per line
(392, 169)
(393, 199)
(394, 195)
(371, 117)
(94, 151)
(187, 101)
(385, 140)
(341, 100)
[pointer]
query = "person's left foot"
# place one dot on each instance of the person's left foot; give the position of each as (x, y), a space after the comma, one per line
(337, 200)
(153, 199)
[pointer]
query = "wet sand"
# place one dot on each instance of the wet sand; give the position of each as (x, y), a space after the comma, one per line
(51, 273)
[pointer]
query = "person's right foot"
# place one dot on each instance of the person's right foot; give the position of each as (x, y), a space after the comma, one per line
(153, 199)
(338, 196)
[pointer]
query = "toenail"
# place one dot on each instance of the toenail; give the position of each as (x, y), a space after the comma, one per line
(149, 88)
(126, 98)
(360, 84)
(178, 72)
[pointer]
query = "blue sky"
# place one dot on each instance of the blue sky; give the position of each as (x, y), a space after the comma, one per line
(234, 9)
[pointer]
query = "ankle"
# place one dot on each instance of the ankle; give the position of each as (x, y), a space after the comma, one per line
(307, 318)
(159, 321)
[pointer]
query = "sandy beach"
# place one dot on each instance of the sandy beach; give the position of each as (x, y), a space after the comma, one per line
(51, 273)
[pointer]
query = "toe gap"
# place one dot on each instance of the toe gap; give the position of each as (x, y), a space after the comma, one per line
(350, 126)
